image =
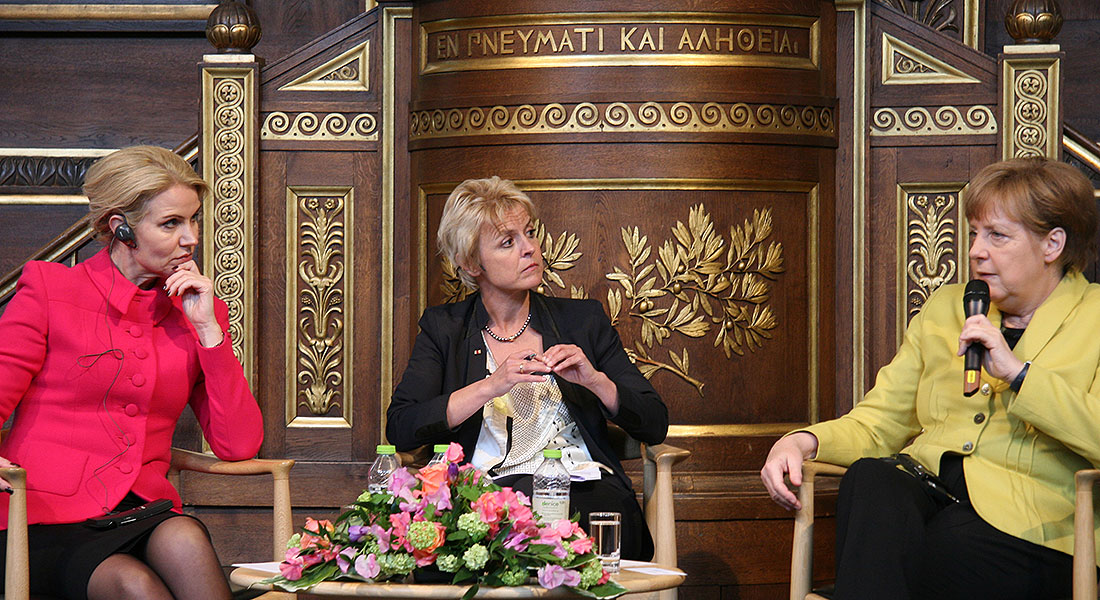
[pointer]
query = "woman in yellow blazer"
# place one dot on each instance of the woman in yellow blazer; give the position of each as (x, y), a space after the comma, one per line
(997, 522)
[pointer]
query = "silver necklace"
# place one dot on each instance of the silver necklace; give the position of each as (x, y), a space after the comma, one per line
(510, 338)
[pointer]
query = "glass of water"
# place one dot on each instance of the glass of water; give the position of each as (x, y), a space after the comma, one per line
(605, 529)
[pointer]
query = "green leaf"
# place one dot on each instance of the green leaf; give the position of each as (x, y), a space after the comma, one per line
(605, 590)
(470, 593)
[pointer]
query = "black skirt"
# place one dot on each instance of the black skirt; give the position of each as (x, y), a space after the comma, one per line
(63, 557)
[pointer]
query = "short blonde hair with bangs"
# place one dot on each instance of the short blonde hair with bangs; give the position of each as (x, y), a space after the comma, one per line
(474, 203)
(123, 182)
(1040, 194)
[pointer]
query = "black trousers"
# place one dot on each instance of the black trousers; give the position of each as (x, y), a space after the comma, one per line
(898, 540)
(606, 494)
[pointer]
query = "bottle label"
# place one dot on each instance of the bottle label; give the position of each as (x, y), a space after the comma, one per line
(551, 509)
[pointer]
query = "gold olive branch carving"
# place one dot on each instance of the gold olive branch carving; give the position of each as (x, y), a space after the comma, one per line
(706, 281)
(557, 256)
(320, 348)
(932, 235)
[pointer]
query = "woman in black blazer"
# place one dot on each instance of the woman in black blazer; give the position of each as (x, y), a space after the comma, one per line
(508, 372)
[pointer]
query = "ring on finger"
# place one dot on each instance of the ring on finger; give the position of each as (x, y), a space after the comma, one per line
(521, 368)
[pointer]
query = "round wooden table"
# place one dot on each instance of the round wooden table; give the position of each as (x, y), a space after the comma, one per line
(632, 579)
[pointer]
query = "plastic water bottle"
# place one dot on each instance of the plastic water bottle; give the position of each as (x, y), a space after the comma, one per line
(551, 488)
(381, 471)
(440, 454)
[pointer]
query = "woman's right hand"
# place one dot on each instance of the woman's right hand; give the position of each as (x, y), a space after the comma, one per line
(519, 367)
(786, 457)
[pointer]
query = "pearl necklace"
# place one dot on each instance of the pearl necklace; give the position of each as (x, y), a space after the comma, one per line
(510, 338)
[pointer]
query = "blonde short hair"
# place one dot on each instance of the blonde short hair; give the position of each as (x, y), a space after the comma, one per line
(1040, 194)
(122, 183)
(472, 204)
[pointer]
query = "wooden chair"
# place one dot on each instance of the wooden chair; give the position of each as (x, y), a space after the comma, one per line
(17, 573)
(802, 548)
(1084, 537)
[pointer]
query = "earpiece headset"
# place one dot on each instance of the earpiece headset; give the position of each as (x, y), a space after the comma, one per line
(125, 234)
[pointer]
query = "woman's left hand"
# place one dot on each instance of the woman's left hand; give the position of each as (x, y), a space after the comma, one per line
(196, 293)
(999, 361)
(569, 362)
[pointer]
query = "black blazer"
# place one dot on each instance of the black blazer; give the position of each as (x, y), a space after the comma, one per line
(449, 354)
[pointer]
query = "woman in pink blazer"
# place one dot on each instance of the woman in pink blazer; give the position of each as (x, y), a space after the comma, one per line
(96, 363)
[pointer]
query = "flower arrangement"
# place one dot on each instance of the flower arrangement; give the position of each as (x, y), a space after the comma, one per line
(449, 519)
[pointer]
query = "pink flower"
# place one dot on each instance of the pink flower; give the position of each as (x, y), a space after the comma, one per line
(489, 507)
(402, 484)
(292, 566)
(603, 578)
(581, 545)
(432, 478)
(400, 523)
(516, 540)
(367, 566)
(552, 576)
(454, 453)
(343, 560)
(383, 537)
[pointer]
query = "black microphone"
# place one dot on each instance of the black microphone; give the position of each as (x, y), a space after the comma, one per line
(975, 302)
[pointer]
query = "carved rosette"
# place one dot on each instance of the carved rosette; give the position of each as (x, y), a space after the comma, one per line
(320, 386)
(621, 117)
(1030, 122)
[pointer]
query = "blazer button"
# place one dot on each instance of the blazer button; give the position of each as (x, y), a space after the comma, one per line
(967, 447)
(986, 389)
(138, 380)
(141, 353)
(125, 468)
(136, 331)
(979, 418)
(131, 410)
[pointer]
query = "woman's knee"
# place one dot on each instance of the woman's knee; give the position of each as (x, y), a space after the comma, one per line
(123, 577)
(179, 535)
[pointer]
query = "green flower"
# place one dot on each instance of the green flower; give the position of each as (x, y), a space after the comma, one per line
(476, 557)
(400, 563)
(514, 578)
(294, 541)
(448, 563)
(421, 534)
(591, 573)
(473, 525)
(364, 497)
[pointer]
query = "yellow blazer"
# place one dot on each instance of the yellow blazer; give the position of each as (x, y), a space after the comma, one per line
(1021, 450)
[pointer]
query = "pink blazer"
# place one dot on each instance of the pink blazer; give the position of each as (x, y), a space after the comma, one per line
(97, 372)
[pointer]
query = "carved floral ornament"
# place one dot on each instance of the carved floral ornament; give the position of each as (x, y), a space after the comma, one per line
(932, 234)
(698, 284)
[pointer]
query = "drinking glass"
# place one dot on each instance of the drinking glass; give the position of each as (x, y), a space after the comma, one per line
(605, 529)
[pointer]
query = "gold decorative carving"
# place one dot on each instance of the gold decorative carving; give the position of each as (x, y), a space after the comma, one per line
(1030, 91)
(318, 243)
(318, 127)
(597, 39)
(939, 15)
(931, 224)
(904, 64)
(620, 117)
(348, 72)
(557, 256)
(726, 285)
(1033, 21)
(229, 163)
(233, 27)
(106, 11)
(947, 120)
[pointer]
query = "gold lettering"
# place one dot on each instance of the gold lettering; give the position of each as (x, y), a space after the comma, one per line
(685, 40)
(660, 38)
(506, 41)
(545, 37)
(767, 36)
(746, 40)
(470, 43)
(796, 48)
(718, 39)
(703, 37)
(452, 45)
(525, 38)
(624, 38)
(565, 40)
(441, 47)
(785, 45)
(584, 31)
(601, 39)
(647, 38)
(488, 43)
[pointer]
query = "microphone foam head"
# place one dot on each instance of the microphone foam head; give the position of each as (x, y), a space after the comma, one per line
(977, 287)
(976, 297)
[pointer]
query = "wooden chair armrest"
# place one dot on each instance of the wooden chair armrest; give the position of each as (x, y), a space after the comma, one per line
(660, 514)
(279, 469)
(1084, 536)
(802, 547)
(17, 584)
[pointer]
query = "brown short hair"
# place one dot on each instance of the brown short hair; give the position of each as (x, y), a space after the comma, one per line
(1041, 194)
(122, 182)
(472, 204)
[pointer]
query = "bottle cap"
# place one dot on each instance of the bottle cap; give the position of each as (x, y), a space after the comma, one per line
(551, 453)
(440, 448)
(386, 449)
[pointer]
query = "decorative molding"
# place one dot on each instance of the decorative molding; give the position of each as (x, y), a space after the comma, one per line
(320, 127)
(621, 117)
(903, 64)
(1031, 90)
(616, 39)
(945, 120)
(44, 171)
(229, 165)
(319, 239)
(931, 227)
(102, 11)
(347, 72)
